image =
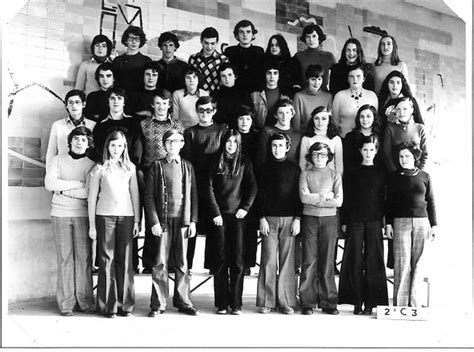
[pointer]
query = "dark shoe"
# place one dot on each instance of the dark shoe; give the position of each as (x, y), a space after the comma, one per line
(188, 310)
(336, 270)
(89, 311)
(67, 313)
(307, 311)
(357, 310)
(247, 271)
(95, 270)
(287, 310)
(146, 271)
(111, 315)
(368, 311)
(331, 311)
(125, 314)
(154, 313)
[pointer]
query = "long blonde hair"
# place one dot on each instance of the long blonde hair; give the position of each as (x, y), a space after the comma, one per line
(124, 161)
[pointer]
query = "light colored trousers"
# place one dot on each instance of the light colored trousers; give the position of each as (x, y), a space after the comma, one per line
(73, 248)
(409, 236)
(278, 254)
(175, 244)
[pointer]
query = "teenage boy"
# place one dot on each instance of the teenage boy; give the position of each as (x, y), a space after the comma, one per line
(265, 100)
(172, 208)
(246, 58)
(184, 100)
(279, 210)
(208, 60)
(97, 103)
(310, 97)
(229, 97)
(284, 113)
(171, 68)
(60, 129)
(152, 130)
(141, 99)
(128, 66)
(101, 47)
(202, 143)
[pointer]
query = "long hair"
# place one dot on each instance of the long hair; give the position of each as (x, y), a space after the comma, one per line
(124, 161)
(385, 92)
(360, 51)
(229, 165)
(285, 52)
(375, 124)
(394, 60)
(331, 131)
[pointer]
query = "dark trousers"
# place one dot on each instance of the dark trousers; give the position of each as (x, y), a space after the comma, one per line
(250, 238)
(150, 245)
(228, 244)
(363, 278)
(115, 285)
(317, 283)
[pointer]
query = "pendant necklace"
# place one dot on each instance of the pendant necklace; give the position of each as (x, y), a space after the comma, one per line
(356, 96)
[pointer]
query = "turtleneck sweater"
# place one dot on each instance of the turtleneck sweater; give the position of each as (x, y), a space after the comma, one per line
(382, 71)
(304, 103)
(302, 59)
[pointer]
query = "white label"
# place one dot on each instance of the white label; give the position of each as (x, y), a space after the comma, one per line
(402, 313)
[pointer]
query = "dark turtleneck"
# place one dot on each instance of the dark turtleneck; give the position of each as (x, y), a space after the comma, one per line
(77, 156)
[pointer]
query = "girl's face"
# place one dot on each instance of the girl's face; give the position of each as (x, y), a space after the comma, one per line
(366, 119)
(351, 53)
(321, 120)
(404, 111)
(244, 123)
(320, 158)
(231, 146)
(279, 149)
(395, 86)
(355, 78)
(314, 84)
(116, 148)
(79, 144)
(386, 46)
(283, 115)
(274, 47)
(312, 40)
(406, 159)
(100, 49)
(160, 107)
(368, 152)
(116, 103)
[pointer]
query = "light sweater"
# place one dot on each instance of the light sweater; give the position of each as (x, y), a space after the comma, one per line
(304, 103)
(67, 177)
(335, 144)
(85, 79)
(184, 106)
(320, 182)
(381, 72)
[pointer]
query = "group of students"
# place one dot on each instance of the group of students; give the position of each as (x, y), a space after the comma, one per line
(232, 146)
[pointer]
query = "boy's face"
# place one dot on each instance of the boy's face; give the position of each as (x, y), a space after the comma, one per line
(245, 35)
(283, 115)
(168, 48)
(150, 78)
(116, 103)
(79, 144)
(272, 76)
(100, 49)
(355, 78)
(133, 42)
(314, 83)
(160, 106)
(320, 158)
(106, 79)
(208, 46)
(75, 105)
(244, 123)
(312, 40)
(279, 149)
(205, 113)
(174, 144)
(228, 78)
(191, 81)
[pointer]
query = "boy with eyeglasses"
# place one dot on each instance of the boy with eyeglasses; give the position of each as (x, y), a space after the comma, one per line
(128, 66)
(171, 206)
(202, 143)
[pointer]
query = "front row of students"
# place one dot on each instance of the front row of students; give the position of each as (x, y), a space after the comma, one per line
(106, 205)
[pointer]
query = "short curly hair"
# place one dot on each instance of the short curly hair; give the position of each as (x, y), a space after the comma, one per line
(135, 31)
(168, 37)
(413, 148)
(81, 131)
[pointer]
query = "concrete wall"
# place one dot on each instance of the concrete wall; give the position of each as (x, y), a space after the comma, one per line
(47, 40)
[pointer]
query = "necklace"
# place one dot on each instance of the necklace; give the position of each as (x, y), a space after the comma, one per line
(356, 96)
